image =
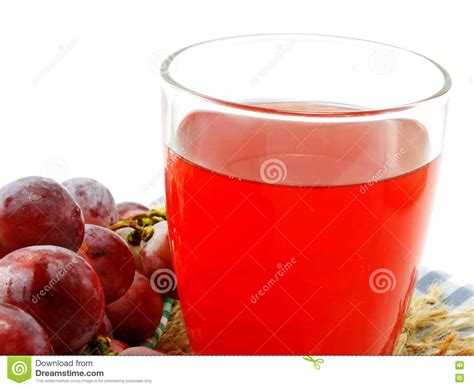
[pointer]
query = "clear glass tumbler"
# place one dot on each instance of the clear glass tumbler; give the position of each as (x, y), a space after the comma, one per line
(300, 175)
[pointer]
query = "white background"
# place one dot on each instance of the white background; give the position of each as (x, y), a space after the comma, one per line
(79, 87)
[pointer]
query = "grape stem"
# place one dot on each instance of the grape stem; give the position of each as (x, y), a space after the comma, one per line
(99, 346)
(142, 225)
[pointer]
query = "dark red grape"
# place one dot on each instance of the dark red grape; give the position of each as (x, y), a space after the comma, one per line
(130, 209)
(97, 204)
(156, 264)
(105, 328)
(59, 289)
(20, 334)
(111, 259)
(38, 211)
(140, 351)
(136, 315)
(117, 346)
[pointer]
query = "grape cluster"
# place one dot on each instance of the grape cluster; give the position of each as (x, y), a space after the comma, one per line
(78, 272)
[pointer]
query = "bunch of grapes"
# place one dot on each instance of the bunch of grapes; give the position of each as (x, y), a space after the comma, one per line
(79, 274)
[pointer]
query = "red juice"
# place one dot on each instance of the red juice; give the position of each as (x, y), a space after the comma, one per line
(295, 238)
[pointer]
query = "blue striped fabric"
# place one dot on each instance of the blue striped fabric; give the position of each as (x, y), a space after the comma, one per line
(457, 295)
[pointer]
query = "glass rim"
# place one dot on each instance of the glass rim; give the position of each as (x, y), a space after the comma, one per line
(166, 77)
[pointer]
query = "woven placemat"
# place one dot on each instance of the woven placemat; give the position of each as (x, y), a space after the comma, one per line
(174, 340)
(431, 328)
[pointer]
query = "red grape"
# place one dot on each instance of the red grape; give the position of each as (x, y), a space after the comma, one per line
(97, 204)
(59, 289)
(135, 249)
(117, 346)
(136, 315)
(105, 328)
(111, 259)
(20, 334)
(36, 211)
(156, 264)
(130, 209)
(140, 351)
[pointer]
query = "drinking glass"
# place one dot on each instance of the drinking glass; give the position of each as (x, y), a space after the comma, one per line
(300, 176)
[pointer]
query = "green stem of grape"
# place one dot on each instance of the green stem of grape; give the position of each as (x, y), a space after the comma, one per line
(142, 225)
(99, 346)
